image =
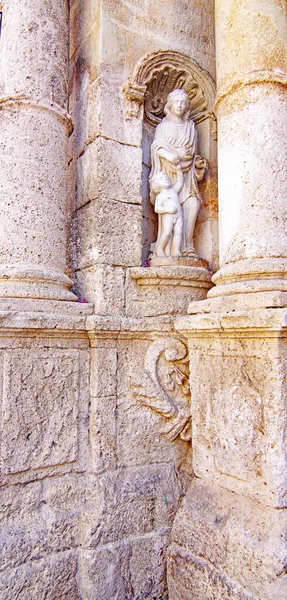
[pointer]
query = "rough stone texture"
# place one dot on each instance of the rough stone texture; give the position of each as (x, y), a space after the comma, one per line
(43, 74)
(134, 569)
(239, 422)
(246, 394)
(41, 169)
(226, 546)
(123, 431)
(39, 409)
(104, 285)
(229, 535)
(93, 242)
(47, 579)
(197, 576)
(125, 533)
(89, 485)
(250, 94)
(251, 227)
(109, 169)
(106, 148)
(44, 440)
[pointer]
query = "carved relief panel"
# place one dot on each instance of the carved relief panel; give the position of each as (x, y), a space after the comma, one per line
(164, 386)
(39, 409)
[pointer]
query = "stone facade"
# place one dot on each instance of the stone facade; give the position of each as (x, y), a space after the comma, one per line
(142, 439)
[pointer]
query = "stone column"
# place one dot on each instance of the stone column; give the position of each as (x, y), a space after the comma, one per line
(34, 130)
(252, 123)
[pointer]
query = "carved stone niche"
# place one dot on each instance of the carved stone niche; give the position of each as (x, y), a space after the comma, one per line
(154, 77)
(157, 75)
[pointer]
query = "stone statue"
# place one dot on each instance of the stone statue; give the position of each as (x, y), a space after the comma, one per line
(175, 145)
(169, 210)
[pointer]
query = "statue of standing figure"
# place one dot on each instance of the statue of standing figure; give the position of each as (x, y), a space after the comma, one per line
(176, 170)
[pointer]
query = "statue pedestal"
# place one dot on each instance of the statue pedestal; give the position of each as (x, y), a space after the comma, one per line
(165, 290)
(179, 261)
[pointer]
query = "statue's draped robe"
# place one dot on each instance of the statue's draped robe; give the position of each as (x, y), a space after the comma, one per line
(181, 140)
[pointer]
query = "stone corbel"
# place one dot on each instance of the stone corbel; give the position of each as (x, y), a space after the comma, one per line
(134, 96)
(164, 386)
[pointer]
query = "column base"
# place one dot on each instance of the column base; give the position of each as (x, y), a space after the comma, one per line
(239, 302)
(250, 276)
(24, 281)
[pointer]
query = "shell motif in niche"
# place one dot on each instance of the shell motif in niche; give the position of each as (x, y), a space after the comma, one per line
(161, 83)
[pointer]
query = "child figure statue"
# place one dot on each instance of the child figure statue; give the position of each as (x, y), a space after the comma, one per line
(169, 210)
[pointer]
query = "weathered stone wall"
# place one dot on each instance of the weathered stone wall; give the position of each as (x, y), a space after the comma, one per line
(95, 452)
(137, 474)
(89, 484)
(44, 452)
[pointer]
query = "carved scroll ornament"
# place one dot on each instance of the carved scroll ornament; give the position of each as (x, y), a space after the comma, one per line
(165, 386)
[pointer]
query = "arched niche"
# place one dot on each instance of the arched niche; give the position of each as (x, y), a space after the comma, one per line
(154, 77)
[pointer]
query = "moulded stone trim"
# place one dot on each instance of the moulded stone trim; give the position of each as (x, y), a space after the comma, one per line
(274, 76)
(172, 275)
(52, 107)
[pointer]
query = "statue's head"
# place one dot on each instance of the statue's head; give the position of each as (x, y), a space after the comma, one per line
(177, 104)
(159, 182)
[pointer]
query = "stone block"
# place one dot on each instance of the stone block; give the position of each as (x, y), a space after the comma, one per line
(105, 98)
(101, 574)
(132, 502)
(147, 567)
(227, 543)
(83, 410)
(128, 570)
(110, 169)
(206, 241)
(54, 577)
(104, 363)
(192, 575)
(83, 18)
(19, 502)
(140, 440)
(139, 437)
(144, 21)
(239, 389)
(40, 519)
(107, 231)
(131, 353)
(96, 94)
(104, 286)
(40, 408)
